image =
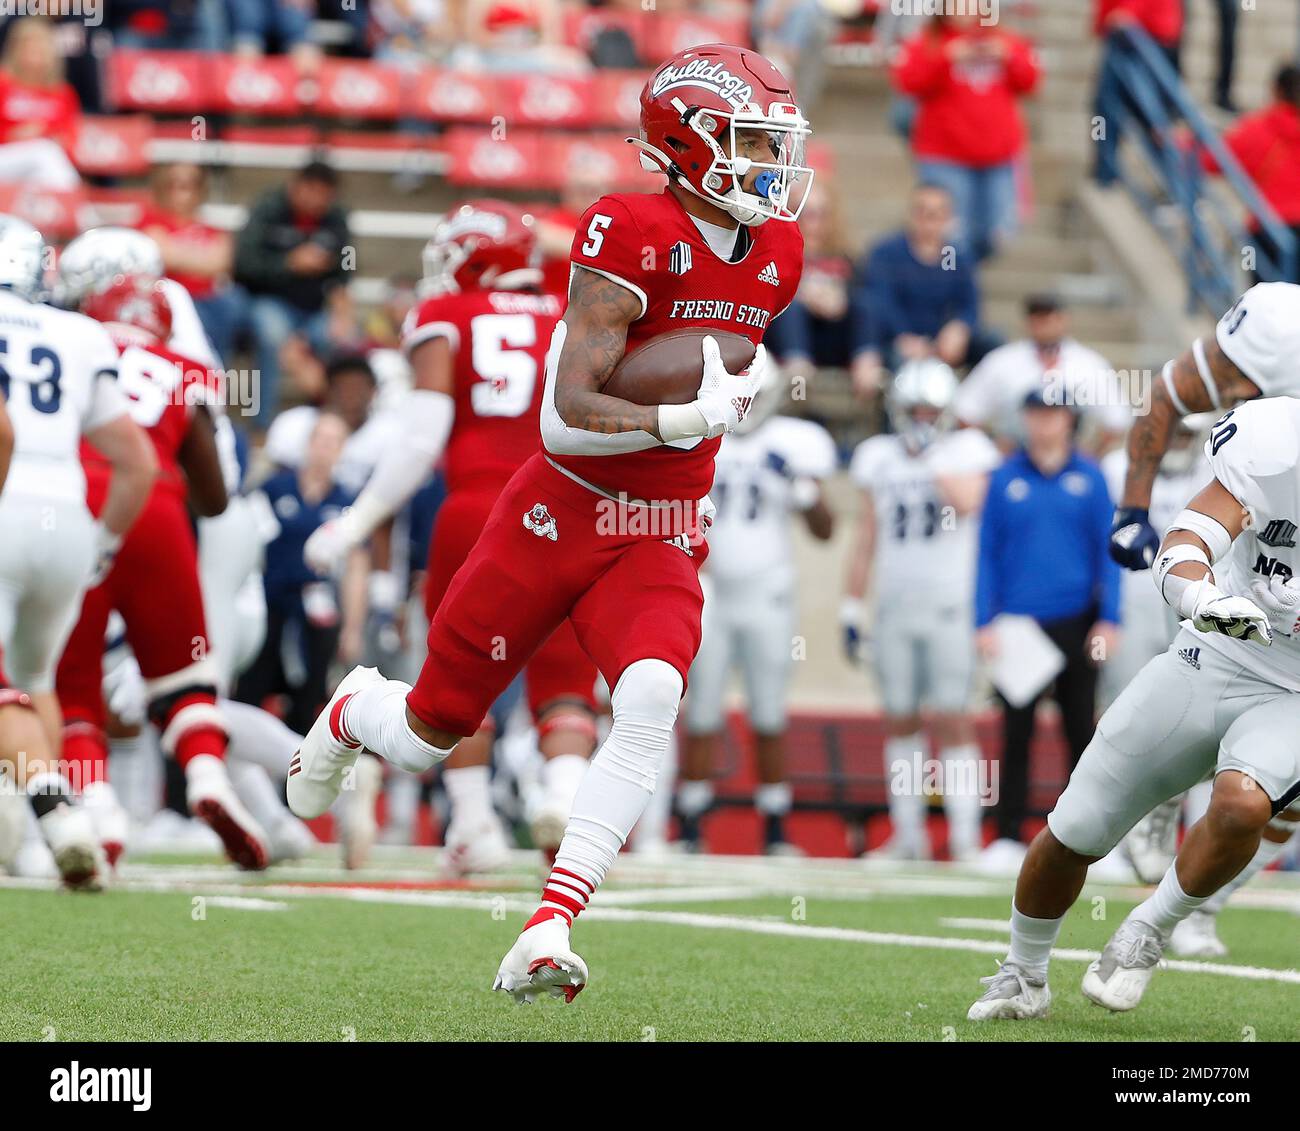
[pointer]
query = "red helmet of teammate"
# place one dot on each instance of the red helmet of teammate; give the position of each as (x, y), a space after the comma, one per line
(692, 109)
(482, 245)
(132, 301)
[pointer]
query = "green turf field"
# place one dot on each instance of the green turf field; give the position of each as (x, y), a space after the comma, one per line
(685, 949)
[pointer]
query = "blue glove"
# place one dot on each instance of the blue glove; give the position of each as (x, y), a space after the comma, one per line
(854, 639)
(1133, 540)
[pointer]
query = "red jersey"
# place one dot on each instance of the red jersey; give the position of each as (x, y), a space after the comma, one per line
(1267, 143)
(165, 390)
(498, 341)
(192, 233)
(648, 243)
(54, 108)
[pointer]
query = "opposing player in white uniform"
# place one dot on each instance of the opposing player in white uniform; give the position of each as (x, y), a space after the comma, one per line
(57, 375)
(1224, 699)
(922, 490)
(767, 472)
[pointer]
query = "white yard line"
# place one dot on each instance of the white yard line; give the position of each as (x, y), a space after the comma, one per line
(243, 903)
(997, 926)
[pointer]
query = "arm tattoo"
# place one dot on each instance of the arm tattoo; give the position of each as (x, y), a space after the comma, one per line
(597, 317)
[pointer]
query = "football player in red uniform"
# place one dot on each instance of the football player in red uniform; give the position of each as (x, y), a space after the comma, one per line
(154, 581)
(603, 525)
(477, 346)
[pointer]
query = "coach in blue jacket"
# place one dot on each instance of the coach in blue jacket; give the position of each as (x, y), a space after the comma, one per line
(1043, 553)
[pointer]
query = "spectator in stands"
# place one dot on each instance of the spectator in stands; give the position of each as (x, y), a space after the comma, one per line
(310, 618)
(412, 33)
(1043, 553)
(968, 77)
(816, 329)
(293, 251)
(516, 35)
(1227, 53)
(257, 26)
(1160, 19)
(793, 33)
(171, 25)
(1046, 358)
(197, 255)
(1267, 143)
(38, 109)
(920, 296)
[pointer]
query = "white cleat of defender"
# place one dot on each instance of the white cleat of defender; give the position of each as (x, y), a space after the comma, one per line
(541, 963)
(70, 834)
(358, 824)
(1012, 995)
(476, 847)
(316, 771)
(1128, 962)
(1197, 937)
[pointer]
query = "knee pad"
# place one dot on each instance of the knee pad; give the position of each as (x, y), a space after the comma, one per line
(645, 702)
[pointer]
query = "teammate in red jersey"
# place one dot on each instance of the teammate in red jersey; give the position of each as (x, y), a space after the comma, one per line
(154, 580)
(477, 343)
(602, 526)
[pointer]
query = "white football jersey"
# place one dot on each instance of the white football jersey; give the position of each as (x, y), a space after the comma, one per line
(1254, 451)
(921, 549)
(1261, 336)
(58, 375)
(750, 535)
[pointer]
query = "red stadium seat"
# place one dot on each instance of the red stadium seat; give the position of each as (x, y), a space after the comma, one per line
(449, 96)
(58, 214)
(547, 100)
(608, 155)
(666, 35)
(618, 98)
(113, 146)
(583, 24)
(257, 86)
(478, 158)
(160, 81)
(351, 89)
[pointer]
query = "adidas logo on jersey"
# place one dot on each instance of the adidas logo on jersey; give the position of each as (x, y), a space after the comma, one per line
(769, 275)
(1191, 656)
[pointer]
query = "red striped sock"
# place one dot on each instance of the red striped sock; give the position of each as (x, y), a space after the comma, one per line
(565, 896)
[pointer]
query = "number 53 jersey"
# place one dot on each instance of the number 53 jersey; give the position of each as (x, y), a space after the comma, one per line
(58, 378)
(923, 550)
(1254, 452)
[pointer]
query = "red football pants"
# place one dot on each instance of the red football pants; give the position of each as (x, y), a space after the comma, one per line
(628, 596)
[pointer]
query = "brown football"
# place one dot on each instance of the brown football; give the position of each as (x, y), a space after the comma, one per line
(667, 369)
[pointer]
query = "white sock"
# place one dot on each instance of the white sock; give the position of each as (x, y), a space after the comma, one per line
(254, 789)
(376, 716)
(617, 786)
(258, 737)
(773, 799)
(906, 805)
(469, 789)
(561, 777)
(1265, 854)
(962, 804)
(694, 796)
(1032, 941)
(1168, 905)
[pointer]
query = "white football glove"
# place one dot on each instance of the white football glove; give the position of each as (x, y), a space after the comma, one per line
(328, 546)
(106, 546)
(124, 690)
(1232, 616)
(1280, 600)
(725, 397)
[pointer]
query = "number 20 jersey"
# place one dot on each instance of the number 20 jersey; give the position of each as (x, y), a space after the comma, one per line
(498, 342)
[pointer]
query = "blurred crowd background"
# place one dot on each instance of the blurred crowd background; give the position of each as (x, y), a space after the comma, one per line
(291, 157)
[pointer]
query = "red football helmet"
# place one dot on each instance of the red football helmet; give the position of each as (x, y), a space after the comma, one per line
(132, 301)
(692, 109)
(482, 245)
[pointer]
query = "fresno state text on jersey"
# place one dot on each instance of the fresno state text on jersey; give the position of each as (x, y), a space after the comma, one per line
(498, 342)
(650, 245)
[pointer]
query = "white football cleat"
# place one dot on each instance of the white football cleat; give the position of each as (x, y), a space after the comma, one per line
(902, 848)
(1128, 962)
(70, 834)
(317, 769)
(475, 846)
(99, 799)
(1152, 843)
(358, 825)
(547, 828)
(1012, 995)
(541, 962)
(212, 799)
(1197, 937)
(289, 839)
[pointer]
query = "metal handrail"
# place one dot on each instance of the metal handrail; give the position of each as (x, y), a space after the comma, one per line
(1157, 101)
